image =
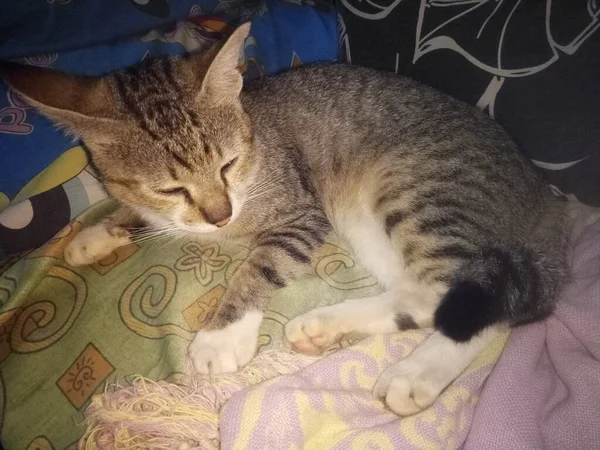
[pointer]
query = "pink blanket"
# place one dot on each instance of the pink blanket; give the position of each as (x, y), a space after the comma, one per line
(544, 392)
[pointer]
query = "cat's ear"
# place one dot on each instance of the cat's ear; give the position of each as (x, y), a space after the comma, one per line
(223, 80)
(78, 103)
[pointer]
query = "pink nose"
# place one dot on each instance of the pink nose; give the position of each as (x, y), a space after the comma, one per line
(218, 214)
(222, 223)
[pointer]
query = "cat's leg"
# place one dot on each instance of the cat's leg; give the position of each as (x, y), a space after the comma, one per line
(413, 384)
(98, 241)
(406, 304)
(228, 342)
(318, 329)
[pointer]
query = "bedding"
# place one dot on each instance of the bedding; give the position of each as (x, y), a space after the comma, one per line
(330, 404)
(545, 388)
(66, 332)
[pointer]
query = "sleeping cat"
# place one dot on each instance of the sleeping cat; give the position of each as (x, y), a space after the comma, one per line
(433, 197)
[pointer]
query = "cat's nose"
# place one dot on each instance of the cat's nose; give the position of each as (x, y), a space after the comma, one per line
(218, 215)
(222, 223)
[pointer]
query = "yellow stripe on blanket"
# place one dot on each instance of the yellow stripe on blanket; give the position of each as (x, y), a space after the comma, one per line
(330, 404)
(62, 169)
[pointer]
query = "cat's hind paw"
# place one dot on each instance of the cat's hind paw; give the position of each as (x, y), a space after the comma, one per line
(313, 332)
(409, 386)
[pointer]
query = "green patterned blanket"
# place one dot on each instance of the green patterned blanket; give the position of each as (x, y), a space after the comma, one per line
(65, 332)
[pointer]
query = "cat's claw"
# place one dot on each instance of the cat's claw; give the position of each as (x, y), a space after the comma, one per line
(93, 244)
(313, 332)
(226, 350)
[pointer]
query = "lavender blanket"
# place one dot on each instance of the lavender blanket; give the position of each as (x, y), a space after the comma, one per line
(542, 393)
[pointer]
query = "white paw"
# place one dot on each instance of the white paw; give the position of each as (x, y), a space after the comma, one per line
(92, 244)
(313, 332)
(226, 350)
(409, 386)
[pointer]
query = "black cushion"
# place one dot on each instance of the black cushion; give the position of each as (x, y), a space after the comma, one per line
(534, 68)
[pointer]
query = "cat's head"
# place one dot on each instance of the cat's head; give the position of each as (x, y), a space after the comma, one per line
(169, 137)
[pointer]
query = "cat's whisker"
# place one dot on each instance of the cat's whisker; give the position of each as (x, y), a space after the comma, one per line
(169, 242)
(264, 186)
(168, 226)
(256, 196)
(147, 235)
(153, 234)
(265, 182)
(150, 238)
(175, 236)
(151, 231)
(261, 190)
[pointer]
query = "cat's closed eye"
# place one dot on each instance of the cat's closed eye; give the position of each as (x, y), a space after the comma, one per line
(175, 191)
(228, 165)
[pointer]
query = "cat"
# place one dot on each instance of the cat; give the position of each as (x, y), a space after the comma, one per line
(434, 198)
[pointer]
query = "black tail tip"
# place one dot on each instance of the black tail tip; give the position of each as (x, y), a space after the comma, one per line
(466, 309)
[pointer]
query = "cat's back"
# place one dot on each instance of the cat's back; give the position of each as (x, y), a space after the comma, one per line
(357, 100)
(332, 78)
(358, 126)
(333, 84)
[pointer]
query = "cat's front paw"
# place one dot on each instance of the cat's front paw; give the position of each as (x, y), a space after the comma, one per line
(409, 386)
(226, 350)
(93, 244)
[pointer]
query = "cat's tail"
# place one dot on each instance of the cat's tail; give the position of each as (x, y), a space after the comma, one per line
(514, 284)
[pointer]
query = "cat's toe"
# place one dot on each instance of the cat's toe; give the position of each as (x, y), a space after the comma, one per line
(311, 333)
(77, 256)
(83, 254)
(226, 350)
(207, 359)
(407, 388)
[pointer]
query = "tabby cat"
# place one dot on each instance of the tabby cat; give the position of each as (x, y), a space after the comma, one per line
(434, 198)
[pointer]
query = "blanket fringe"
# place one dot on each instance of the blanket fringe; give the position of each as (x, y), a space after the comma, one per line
(158, 415)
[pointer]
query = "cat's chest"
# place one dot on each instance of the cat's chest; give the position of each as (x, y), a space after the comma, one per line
(369, 243)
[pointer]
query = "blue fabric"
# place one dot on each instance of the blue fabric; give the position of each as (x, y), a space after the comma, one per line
(32, 27)
(94, 37)
(287, 35)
